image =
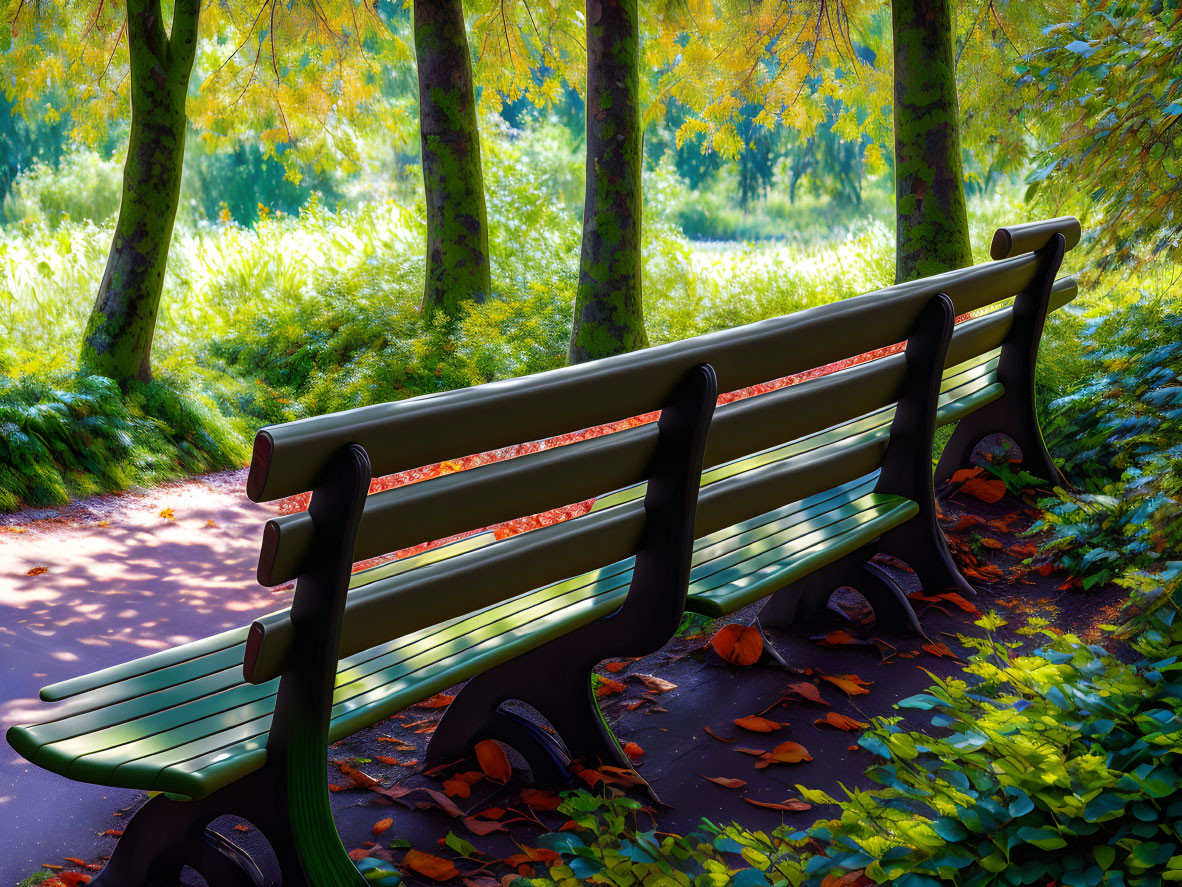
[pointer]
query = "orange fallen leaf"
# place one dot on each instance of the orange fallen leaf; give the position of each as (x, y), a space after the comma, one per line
(359, 779)
(394, 762)
(613, 667)
(985, 490)
(493, 761)
(1025, 550)
(381, 825)
(241, 828)
(738, 644)
(71, 879)
(167, 514)
(633, 751)
(719, 738)
(991, 544)
(965, 474)
(838, 638)
(751, 751)
(37, 571)
(430, 866)
(83, 864)
(402, 744)
(790, 806)
(850, 683)
(725, 781)
(939, 648)
(609, 687)
(964, 522)
(439, 700)
(784, 753)
(456, 788)
(840, 721)
(953, 598)
(211, 523)
(807, 691)
(756, 724)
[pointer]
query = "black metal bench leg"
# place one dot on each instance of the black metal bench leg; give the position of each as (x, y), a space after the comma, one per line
(921, 544)
(554, 680)
(892, 609)
(224, 864)
(799, 606)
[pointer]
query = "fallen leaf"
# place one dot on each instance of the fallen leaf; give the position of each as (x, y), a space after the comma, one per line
(991, 544)
(964, 474)
(241, 828)
(394, 762)
(633, 751)
(483, 826)
(445, 803)
(850, 683)
(657, 685)
(361, 780)
(756, 724)
(840, 721)
(402, 744)
(964, 522)
(83, 864)
(839, 638)
(381, 825)
(807, 691)
(608, 687)
(939, 648)
(540, 799)
(738, 644)
(953, 598)
(439, 700)
(1025, 550)
(725, 781)
(493, 761)
(37, 571)
(490, 813)
(985, 490)
(456, 788)
(72, 879)
(211, 523)
(751, 751)
(784, 753)
(613, 667)
(430, 866)
(791, 806)
(167, 514)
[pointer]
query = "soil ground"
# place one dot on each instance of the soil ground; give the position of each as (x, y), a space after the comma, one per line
(128, 574)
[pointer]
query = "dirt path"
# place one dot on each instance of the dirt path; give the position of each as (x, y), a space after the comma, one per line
(129, 574)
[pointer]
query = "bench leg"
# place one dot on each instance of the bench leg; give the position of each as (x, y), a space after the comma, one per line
(163, 837)
(892, 610)
(921, 544)
(555, 680)
(1017, 422)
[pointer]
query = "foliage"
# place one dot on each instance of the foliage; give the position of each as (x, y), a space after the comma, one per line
(1118, 436)
(1058, 765)
(83, 186)
(78, 435)
(1109, 84)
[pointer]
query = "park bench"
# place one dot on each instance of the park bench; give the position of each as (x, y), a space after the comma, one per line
(240, 723)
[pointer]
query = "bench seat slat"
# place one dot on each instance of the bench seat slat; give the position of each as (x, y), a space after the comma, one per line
(196, 735)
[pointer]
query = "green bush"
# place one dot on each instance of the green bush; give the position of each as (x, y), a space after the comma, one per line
(79, 435)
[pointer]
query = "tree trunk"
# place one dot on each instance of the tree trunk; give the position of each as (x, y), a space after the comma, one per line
(118, 338)
(932, 223)
(457, 223)
(609, 313)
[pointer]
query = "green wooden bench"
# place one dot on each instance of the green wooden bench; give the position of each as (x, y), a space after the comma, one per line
(239, 723)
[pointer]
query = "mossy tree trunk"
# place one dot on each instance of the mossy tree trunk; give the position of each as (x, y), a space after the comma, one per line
(932, 223)
(609, 313)
(457, 223)
(118, 338)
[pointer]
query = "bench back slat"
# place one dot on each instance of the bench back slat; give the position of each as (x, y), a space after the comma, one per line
(533, 483)
(452, 424)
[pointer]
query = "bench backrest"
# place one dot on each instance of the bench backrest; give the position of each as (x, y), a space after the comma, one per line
(397, 436)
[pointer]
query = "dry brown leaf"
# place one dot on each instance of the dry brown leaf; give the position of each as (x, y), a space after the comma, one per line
(381, 825)
(653, 683)
(540, 799)
(482, 826)
(965, 474)
(953, 598)
(838, 638)
(37, 571)
(725, 781)
(1025, 550)
(939, 648)
(738, 644)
